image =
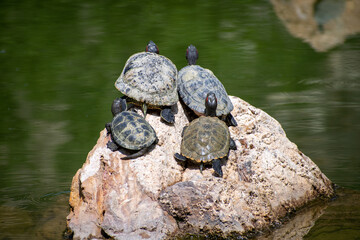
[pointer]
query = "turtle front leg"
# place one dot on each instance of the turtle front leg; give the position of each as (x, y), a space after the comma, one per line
(144, 109)
(216, 164)
(167, 115)
(182, 133)
(129, 105)
(181, 158)
(108, 128)
(230, 120)
(232, 144)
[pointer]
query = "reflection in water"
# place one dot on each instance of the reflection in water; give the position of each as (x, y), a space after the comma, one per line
(326, 10)
(324, 24)
(341, 220)
(17, 223)
(337, 219)
(299, 225)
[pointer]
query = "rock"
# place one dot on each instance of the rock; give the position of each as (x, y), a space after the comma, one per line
(153, 197)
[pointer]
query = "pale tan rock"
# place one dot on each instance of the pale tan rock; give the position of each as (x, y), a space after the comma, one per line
(153, 197)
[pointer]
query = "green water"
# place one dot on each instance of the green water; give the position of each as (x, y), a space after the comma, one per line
(59, 61)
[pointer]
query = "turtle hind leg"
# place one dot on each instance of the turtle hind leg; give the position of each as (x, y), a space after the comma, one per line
(137, 154)
(141, 152)
(230, 120)
(167, 115)
(201, 167)
(180, 157)
(216, 164)
(112, 146)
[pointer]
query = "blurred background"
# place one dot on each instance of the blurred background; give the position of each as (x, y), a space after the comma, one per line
(298, 60)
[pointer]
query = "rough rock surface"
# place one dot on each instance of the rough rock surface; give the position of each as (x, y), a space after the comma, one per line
(154, 197)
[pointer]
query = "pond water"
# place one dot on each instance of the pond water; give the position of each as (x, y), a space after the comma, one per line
(59, 61)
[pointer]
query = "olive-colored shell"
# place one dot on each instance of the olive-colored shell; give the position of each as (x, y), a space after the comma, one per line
(195, 83)
(131, 131)
(149, 77)
(205, 139)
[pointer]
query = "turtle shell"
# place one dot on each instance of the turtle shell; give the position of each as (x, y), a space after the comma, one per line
(205, 139)
(131, 131)
(195, 83)
(149, 77)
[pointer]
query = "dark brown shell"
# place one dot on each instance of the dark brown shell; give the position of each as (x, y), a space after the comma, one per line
(131, 131)
(205, 139)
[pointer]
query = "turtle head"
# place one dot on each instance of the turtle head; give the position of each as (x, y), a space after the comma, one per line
(192, 54)
(210, 104)
(151, 47)
(118, 106)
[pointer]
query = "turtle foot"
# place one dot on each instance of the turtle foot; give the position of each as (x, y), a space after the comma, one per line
(230, 120)
(216, 164)
(112, 146)
(167, 115)
(232, 144)
(179, 157)
(108, 128)
(136, 154)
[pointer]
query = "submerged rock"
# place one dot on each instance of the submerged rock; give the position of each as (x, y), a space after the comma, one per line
(154, 197)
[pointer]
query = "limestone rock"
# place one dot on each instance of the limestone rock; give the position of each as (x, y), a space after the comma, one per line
(154, 197)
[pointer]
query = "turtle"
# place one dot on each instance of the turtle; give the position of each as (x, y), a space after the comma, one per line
(206, 139)
(149, 80)
(129, 131)
(194, 82)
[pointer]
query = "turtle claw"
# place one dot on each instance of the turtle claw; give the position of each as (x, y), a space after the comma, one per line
(167, 115)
